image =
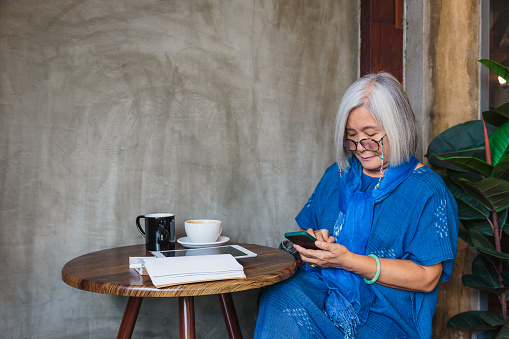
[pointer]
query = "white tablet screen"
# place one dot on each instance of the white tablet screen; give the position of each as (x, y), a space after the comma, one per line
(235, 250)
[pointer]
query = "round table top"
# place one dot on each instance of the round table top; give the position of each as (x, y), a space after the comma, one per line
(108, 272)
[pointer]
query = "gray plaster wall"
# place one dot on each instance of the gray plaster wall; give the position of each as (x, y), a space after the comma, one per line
(109, 109)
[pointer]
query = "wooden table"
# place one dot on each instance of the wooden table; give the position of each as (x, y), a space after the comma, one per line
(108, 272)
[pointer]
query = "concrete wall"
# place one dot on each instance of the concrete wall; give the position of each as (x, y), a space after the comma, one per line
(442, 49)
(454, 52)
(442, 78)
(110, 109)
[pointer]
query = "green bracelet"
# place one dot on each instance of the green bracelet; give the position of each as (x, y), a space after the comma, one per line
(375, 278)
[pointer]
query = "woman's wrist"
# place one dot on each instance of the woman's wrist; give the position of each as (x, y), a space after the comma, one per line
(378, 268)
(348, 261)
(363, 265)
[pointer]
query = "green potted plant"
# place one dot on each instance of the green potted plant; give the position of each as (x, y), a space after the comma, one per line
(475, 157)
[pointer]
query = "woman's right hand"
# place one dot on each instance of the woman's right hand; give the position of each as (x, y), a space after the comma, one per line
(328, 254)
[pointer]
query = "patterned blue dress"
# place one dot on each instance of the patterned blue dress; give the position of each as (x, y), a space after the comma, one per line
(418, 222)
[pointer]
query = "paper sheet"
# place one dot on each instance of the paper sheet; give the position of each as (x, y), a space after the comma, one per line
(179, 270)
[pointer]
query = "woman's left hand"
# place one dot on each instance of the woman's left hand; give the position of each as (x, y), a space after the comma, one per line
(396, 273)
(329, 255)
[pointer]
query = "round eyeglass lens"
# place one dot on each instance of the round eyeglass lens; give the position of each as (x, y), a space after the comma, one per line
(349, 145)
(369, 144)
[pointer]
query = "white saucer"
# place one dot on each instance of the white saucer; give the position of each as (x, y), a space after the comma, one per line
(184, 241)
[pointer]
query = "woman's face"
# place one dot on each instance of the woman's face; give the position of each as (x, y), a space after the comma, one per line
(361, 125)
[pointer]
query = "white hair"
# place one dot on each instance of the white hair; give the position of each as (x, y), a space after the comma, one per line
(382, 95)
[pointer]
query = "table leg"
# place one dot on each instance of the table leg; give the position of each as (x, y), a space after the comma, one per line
(129, 319)
(186, 318)
(230, 316)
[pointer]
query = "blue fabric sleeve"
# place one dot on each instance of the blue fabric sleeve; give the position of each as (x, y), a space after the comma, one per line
(436, 236)
(312, 214)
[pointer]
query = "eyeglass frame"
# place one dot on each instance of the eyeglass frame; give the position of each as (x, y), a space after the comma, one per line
(356, 143)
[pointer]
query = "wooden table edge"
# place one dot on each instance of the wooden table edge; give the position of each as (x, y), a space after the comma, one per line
(182, 290)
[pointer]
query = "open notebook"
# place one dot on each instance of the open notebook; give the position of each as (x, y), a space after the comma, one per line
(181, 270)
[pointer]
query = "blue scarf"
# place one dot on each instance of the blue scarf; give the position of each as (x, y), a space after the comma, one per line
(350, 297)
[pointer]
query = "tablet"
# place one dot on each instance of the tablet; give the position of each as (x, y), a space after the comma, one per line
(238, 252)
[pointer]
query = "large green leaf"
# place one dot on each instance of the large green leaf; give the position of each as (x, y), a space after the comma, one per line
(470, 320)
(484, 277)
(469, 212)
(496, 67)
(505, 272)
(504, 332)
(481, 225)
(474, 282)
(469, 208)
(471, 164)
(492, 318)
(491, 192)
(465, 140)
(484, 245)
(501, 168)
(497, 116)
(481, 266)
(463, 235)
(504, 109)
(494, 118)
(503, 221)
(499, 143)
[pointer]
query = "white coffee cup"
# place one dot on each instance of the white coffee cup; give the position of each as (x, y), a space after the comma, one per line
(203, 230)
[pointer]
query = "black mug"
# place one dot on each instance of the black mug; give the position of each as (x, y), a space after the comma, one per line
(159, 231)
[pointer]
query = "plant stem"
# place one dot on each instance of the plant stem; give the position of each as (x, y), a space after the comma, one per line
(498, 246)
(502, 297)
(486, 142)
(497, 231)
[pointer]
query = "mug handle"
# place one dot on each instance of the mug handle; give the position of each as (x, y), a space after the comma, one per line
(139, 226)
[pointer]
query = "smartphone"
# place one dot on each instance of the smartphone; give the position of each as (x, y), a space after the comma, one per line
(303, 239)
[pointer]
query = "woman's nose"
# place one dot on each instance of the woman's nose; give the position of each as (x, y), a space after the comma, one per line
(361, 147)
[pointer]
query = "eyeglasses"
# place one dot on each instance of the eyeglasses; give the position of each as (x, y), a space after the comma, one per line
(368, 144)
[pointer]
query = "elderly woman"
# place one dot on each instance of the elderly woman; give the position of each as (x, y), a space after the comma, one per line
(386, 226)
